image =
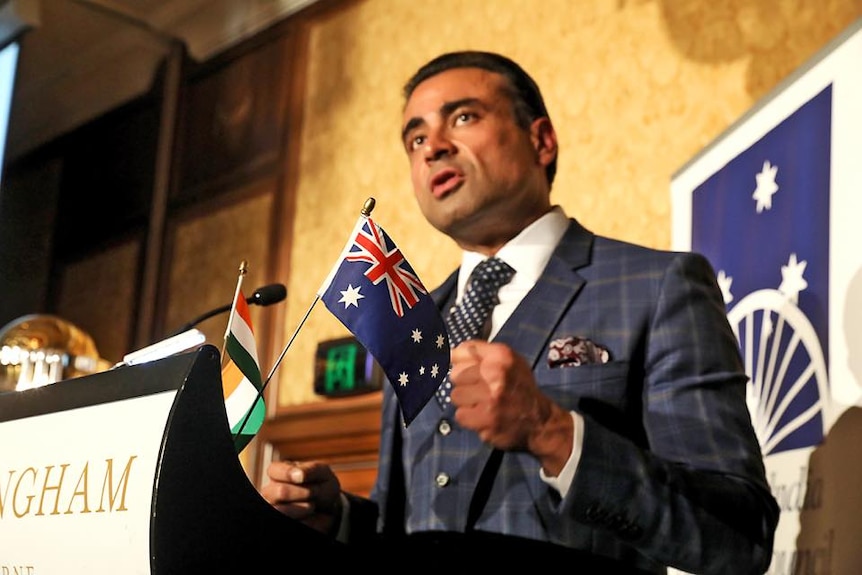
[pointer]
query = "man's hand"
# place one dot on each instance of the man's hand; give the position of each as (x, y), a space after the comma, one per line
(496, 396)
(306, 491)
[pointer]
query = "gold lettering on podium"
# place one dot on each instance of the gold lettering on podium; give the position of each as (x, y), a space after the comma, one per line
(108, 483)
(65, 487)
(17, 569)
(47, 489)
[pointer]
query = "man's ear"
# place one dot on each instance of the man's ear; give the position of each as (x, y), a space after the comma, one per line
(544, 139)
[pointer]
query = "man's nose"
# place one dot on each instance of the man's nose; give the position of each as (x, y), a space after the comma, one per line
(438, 145)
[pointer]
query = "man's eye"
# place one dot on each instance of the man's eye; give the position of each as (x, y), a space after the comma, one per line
(463, 118)
(416, 142)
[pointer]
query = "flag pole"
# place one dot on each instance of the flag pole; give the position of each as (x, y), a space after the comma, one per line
(274, 367)
(367, 208)
(243, 269)
(290, 341)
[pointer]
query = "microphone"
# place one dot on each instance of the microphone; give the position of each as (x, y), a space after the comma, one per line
(265, 295)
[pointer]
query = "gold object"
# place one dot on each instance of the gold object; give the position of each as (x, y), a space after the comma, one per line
(368, 207)
(39, 349)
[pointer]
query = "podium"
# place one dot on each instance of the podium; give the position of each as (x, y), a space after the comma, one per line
(133, 470)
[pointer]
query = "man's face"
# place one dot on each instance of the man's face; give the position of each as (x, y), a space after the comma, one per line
(477, 176)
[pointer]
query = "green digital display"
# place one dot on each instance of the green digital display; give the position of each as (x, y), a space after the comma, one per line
(340, 369)
(343, 367)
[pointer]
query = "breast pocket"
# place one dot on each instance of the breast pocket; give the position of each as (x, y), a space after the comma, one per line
(583, 386)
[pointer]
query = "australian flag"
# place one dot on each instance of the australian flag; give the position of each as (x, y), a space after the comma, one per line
(375, 293)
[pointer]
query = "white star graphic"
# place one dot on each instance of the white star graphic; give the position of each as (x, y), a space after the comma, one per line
(440, 341)
(792, 281)
(351, 296)
(417, 335)
(766, 186)
(434, 371)
(724, 282)
(422, 370)
(402, 379)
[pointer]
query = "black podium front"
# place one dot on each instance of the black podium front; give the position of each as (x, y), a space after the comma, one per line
(67, 475)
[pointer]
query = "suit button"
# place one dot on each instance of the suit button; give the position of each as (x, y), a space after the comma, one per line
(442, 479)
(444, 427)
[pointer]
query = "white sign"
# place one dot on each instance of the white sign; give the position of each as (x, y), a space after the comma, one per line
(76, 488)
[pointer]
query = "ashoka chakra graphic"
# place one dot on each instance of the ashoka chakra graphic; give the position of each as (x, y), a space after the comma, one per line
(788, 395)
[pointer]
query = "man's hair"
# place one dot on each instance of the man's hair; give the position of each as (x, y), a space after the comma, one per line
(522, 89)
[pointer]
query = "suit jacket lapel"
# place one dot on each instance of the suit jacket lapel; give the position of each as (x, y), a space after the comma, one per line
(529, 327)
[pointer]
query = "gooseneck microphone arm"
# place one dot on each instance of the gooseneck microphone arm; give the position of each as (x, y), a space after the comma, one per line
(266, 295)
(204, 317)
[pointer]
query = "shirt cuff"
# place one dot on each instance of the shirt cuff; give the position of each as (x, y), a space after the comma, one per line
(563, 481)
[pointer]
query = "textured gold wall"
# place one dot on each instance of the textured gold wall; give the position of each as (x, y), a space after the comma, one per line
(635, 88)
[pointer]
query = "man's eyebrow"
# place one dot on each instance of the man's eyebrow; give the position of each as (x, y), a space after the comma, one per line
(445, 110)
(450, 107)
(411, 125)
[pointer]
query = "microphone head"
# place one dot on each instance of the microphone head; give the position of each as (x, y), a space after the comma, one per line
(268, 294)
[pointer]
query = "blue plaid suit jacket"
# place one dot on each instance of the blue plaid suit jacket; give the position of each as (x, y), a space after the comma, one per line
(671, 471)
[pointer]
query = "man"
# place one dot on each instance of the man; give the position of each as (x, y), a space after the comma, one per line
(604, 420)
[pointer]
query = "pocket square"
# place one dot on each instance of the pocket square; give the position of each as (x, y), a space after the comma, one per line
(574, 351)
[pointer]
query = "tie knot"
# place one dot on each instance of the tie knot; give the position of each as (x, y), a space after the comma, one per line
(490, 275)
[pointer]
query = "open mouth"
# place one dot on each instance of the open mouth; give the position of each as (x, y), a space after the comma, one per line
(445, 181)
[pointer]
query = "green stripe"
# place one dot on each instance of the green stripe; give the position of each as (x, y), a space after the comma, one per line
(251, 426)
(244, 361)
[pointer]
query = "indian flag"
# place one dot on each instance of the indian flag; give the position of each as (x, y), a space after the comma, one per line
(241, 379)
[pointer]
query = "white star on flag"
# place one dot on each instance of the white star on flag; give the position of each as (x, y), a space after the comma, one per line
(766, 186)
(351, 296)
(792, 281)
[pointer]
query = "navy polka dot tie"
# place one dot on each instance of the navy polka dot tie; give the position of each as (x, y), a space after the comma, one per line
(468, 320)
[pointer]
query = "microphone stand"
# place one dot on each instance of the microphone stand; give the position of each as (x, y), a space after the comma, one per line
(263, 296)
(202, 317)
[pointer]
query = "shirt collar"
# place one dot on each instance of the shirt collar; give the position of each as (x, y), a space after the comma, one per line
(528, 252)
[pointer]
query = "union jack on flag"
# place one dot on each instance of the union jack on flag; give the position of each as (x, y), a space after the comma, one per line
(387, 265)
(375, 293)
